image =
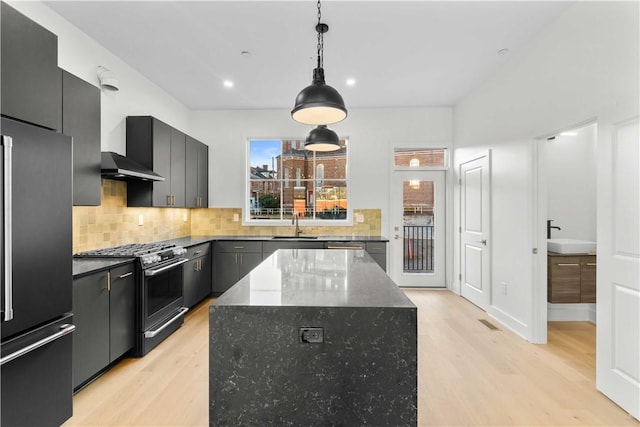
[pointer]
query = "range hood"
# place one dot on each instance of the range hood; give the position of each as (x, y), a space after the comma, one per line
(116, 166)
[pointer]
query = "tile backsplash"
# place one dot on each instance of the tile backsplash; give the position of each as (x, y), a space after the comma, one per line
(113, 223)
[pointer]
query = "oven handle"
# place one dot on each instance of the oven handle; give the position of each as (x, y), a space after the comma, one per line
(165, 268)
(153, 333)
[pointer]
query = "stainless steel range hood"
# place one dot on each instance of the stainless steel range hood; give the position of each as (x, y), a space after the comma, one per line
(116, 166)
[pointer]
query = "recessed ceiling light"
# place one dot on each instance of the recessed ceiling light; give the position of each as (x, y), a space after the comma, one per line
(245, 53)
(227, 83)
(503, 51)
(351, 82)
(569, 134)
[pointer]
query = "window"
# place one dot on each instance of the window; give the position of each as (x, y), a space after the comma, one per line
(320, 189)
(424, 158)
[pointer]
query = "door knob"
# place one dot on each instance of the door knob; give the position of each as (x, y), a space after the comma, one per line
(483, 241)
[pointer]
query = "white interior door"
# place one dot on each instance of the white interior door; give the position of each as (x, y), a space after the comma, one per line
(417, 255)
(618, 271)
(475, 223)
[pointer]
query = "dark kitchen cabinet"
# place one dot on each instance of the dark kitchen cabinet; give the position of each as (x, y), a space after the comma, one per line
(81, 120)
(197, 174)
(31, 86)
(378, 251)
(161, 148)
(104, 315)
(197, 274)
(232, 260)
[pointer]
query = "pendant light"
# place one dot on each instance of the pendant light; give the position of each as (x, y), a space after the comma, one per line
(322, 139)
(319, 103)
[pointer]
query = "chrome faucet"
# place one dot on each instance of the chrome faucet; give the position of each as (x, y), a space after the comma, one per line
(294, 221)
(549, 227)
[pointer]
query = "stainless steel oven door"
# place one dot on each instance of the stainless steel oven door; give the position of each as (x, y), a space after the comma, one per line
(161, 293)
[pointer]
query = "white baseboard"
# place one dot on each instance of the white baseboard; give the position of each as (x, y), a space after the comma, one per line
(571, 313)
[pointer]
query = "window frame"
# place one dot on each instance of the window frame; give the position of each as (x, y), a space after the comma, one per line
(246, 209)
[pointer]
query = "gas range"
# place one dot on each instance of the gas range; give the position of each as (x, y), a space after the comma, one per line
(150, 255)
(159, 289)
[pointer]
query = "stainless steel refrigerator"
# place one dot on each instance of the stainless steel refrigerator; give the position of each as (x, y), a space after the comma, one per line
(36, 300)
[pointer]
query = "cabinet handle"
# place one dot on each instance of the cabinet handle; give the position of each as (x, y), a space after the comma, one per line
(108, 281)
(592, 264)
(197, 253)
(240, 258)
(7, 144)
(568, 265)
(122, 276)
(169, 200)
(238, 247)
(173, 200)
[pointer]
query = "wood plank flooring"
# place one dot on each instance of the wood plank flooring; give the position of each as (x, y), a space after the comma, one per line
(468, 375)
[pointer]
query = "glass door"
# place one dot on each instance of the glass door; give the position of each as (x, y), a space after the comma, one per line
(418, 228)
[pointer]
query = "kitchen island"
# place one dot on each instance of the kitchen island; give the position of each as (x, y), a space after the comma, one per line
(313, 337)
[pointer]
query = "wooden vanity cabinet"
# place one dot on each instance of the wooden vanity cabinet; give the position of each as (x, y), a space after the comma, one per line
(571, 278)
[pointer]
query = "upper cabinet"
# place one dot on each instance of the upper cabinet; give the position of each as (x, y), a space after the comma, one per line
(81, 120)
(197, 174)
(164, 150)
(30, 85)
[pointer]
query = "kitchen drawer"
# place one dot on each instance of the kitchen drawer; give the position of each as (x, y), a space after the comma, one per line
(376, 247)
(238, 246)
(198, 250)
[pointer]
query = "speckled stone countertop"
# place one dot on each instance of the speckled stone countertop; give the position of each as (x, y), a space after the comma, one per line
(316, 277)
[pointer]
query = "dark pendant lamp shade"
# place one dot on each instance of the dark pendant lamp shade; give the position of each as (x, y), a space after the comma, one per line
(322, 138)
(319, 103)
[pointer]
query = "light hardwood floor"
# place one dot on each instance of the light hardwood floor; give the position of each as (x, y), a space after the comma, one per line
(468, 375)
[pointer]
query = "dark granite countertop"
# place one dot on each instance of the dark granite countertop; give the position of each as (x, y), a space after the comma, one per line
(304, 238)
(316, 277)
(84, 266)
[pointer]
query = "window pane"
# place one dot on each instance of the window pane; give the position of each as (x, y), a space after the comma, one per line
(334, 163)
(331, 200)
(264, 156)
(264, 200)
(419, 157)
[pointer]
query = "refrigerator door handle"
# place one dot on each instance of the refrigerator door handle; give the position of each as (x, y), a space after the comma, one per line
(64, 330)
(7, 145)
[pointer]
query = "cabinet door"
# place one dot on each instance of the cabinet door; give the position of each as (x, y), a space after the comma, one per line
(91, 317)
(162, 163)
(81, 120)
(191, 178)
(564, 275)
(190, 282)
(122, 310)
(203, 287)
(225, 271)
(247, 262)
(588, 279)
(178, 168)
(31, 84)
(203, 175)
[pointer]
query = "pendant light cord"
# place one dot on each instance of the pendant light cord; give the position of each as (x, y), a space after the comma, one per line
(320, 39)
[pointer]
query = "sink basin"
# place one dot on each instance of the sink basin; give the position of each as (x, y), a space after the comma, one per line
(571, 246)
(294, 237)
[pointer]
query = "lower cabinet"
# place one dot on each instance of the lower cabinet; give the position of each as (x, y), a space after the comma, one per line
(232, 260)
(571, 279)
(104, 316)
(197, 274)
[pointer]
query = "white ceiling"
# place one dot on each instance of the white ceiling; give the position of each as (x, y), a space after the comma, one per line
(401, 53)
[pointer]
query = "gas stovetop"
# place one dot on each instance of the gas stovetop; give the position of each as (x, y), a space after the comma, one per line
(131, 250)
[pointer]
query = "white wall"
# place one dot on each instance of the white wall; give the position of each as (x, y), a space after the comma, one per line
(571, 190)
(584, 65)
(372, 135)
(80, 55)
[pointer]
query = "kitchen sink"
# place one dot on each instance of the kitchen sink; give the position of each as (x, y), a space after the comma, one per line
(571, 246)
(294, 237)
